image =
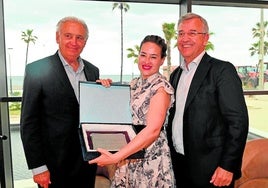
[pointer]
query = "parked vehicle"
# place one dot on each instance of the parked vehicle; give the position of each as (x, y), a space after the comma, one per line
(249, 75)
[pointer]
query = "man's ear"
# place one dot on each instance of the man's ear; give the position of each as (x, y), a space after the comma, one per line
(57, 37)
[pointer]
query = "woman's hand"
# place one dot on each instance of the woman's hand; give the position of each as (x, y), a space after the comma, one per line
(105, 82)
(104, 159)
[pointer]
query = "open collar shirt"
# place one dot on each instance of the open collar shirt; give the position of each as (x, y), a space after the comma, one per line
(181, 96)
(74, 76)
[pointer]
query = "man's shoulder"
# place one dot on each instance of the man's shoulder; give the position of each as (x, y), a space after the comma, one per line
(216, 62)
(220, 67)
(41, 66)
(43, 61)
(90, 65)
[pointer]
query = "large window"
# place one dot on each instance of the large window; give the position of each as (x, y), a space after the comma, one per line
(233, 29)
(232, 37)
(103, 46)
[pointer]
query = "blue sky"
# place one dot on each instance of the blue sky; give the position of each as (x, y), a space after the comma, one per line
(232, 28)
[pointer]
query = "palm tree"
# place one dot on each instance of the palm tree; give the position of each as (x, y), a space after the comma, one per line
(123, 7)
(134, 53)
(27, 37)
(260, 47)
(169, 33)
(210, 45)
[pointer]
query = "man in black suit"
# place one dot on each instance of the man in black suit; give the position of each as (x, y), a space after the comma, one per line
(208, 124)
(50, 111)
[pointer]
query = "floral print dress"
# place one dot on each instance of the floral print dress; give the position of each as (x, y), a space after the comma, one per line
(155, 170)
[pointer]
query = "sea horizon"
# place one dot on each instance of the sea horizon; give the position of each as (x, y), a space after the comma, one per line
(17, 81)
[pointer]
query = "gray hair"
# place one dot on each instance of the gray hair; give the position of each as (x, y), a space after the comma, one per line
(73, 19)
(190, 16)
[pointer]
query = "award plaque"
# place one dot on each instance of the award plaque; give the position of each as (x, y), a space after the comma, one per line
(105, 119)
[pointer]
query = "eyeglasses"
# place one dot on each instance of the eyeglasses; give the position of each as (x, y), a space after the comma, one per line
(190, 34)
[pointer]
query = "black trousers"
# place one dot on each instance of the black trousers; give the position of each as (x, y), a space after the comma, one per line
(181, 171)
(84, 179)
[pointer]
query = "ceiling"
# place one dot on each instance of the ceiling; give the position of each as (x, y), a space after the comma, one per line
(239, 3)
(144, 1)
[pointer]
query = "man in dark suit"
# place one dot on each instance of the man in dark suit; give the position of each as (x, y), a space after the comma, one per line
(208, 124)
(50, 111)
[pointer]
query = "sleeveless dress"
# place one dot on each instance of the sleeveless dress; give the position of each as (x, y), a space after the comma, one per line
(155, 170)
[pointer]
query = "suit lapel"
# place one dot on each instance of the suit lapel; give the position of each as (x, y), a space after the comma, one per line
(87, 72)
(60, 73)
(174, 77)
(198, 78)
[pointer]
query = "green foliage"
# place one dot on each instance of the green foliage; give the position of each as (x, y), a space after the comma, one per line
(260, 47)
(210, 45)
(169, 33)
(28, 37)
(254, 49)
(16, 93)
(15, 106)
(134, 53)
(122, 6)
(258, 34)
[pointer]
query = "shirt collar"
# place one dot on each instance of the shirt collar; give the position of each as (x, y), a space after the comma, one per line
(64, 62)
(196, 61)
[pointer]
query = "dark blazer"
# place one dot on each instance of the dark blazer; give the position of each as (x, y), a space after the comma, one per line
(50, 120)
(215, 120)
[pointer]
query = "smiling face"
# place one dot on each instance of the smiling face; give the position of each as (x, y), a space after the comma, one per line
(71, 38)
(150, 60)
(191, 46)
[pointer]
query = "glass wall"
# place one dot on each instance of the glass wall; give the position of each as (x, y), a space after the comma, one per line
(103, 46)
(232, 37)
(233, 29)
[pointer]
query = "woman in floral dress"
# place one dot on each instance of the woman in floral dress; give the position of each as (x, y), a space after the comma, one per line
(151, 98)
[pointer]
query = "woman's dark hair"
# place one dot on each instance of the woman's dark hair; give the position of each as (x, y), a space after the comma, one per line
(157, 40)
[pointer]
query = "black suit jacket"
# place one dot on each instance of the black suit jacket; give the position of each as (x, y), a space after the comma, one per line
(215, 120)
(50, 119)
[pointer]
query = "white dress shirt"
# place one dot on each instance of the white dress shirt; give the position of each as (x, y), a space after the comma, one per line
(74, 76)
(181, 96)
